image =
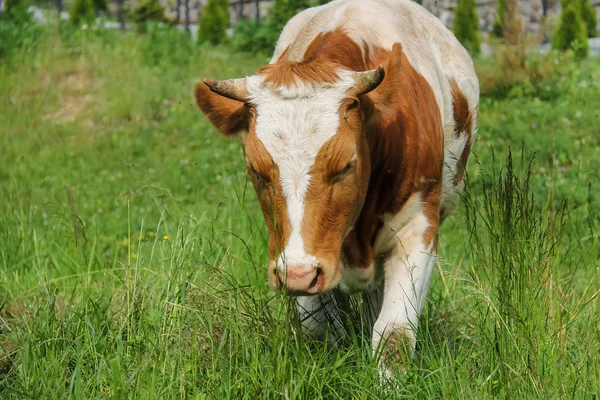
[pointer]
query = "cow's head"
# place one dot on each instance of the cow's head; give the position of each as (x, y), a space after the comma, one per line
(302, 126)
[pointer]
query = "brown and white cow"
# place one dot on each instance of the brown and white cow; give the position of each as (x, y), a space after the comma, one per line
(356, 137)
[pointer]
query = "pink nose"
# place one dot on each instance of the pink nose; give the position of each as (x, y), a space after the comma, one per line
(300, 280)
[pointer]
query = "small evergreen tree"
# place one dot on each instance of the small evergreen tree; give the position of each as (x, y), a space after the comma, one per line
(588, 14)
(215, 19)
(82, 12)
(466, 25)
(571, 32)
(100, 5)
(148, 10)
(499, 19)
(10, 4)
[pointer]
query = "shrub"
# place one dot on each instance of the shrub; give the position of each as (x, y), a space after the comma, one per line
(10, 4)
(148, 10)
(588, 14)
(571, 32)
(466, 25)
(100, 5)
(83, 12)
(544, 76)
(261, 36)
(18, 31)
(499, 18)
(214, 22)
(167, 47)
(254, 36)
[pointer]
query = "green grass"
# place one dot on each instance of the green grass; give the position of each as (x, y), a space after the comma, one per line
(156, 289)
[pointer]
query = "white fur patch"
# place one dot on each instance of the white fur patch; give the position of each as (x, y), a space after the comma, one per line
(294, 123)
(409, 219)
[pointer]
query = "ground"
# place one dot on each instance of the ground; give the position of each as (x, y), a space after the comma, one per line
(151, 281)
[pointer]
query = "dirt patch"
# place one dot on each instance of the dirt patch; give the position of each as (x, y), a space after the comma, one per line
(76, 89)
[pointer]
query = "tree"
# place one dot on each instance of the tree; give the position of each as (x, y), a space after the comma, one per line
(588, 14)
(214, 22)
(571, 32)
(499, 19)
(82, 12)
(466, 25)
(148, 10)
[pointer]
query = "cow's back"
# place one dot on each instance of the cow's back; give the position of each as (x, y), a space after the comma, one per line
(430, 47)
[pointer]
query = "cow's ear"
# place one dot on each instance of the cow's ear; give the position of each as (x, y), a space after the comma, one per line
(230, 116)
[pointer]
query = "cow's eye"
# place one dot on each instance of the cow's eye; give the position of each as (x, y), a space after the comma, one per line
(260, 177)
(342, 173)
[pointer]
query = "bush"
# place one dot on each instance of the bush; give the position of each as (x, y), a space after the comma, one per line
(148, 10)
(466, 25)
(167, 47)
(100, 5)
(571, 32)
(83, 12)
(588, 14)
(254, 36)
(499, 18)
(261, 36)
(10, 4)
(544, 76)
(18, 31)
(214, 22)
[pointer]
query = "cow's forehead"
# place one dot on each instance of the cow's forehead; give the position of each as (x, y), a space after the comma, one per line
(294, 122)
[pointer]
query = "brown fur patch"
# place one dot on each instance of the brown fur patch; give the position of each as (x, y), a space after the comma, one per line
(336, 47)
(405, 137)
(463, 119)
(290, 74)
(324, 56)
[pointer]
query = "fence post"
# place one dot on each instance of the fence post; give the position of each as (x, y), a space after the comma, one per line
(545, 7)
(187, 15)
(121, 14)
(257, 10)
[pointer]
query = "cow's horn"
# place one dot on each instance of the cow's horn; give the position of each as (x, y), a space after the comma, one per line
(231, 88)
(368, 80)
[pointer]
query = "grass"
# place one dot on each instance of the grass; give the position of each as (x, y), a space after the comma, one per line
(151, 283)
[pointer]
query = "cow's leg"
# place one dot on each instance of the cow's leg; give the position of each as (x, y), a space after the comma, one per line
(319, 316)
(408, 270)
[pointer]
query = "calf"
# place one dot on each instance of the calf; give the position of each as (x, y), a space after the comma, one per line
(356, 136)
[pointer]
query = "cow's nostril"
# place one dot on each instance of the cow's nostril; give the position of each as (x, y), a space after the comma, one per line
(315, 280)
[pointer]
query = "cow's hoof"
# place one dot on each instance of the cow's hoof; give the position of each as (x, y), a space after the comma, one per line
(395, 354)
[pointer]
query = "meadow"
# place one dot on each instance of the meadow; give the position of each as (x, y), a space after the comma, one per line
(132, 247)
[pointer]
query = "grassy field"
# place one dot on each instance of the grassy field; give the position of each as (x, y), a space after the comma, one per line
(150, 282)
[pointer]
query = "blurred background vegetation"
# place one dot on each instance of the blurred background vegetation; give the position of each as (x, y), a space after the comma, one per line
(132, 246)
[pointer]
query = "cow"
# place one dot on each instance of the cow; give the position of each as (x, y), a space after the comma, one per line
(356, 137)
